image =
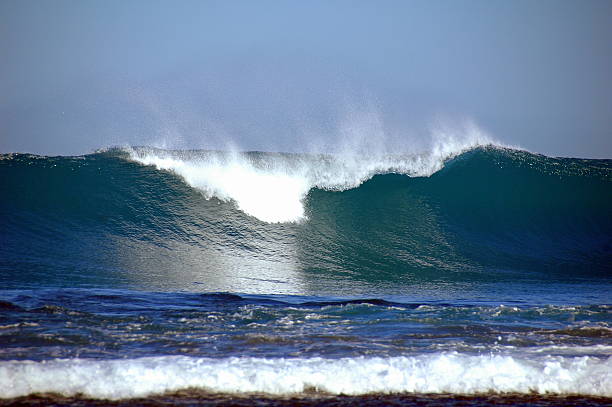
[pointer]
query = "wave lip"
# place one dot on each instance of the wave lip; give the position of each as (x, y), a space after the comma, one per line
(271, 192)
(436, 373)
(273, 187)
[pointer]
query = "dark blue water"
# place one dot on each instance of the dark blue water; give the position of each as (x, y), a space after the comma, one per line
(132, 273)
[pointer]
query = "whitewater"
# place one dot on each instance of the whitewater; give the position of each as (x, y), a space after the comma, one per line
(440, 373)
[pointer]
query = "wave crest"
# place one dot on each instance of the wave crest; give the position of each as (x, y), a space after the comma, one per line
(273, 187)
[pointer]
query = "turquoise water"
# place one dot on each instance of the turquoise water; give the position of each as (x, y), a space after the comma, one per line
(486, 271)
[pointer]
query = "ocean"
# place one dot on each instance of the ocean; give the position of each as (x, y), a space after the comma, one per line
(143, 276)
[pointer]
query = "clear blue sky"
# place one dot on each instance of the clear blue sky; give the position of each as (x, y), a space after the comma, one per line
(272, 75)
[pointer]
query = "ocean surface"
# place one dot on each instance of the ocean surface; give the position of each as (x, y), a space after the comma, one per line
(479, 275)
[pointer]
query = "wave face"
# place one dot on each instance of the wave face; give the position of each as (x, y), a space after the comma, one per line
(300, 223)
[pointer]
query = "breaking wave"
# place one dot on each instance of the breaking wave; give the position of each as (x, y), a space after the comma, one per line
(436, 373)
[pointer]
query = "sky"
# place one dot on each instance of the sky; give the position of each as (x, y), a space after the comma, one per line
(79, 75)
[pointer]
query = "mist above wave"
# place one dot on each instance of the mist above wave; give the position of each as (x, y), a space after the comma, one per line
(272, 187)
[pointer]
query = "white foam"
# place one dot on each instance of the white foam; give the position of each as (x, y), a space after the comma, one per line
(269, 194)
(435, 373)
(272, 187)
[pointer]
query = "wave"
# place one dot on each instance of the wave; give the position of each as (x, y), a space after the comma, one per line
(434, 373)
(487, 213)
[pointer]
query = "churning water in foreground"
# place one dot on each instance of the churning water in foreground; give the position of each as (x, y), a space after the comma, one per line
(139, 272)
